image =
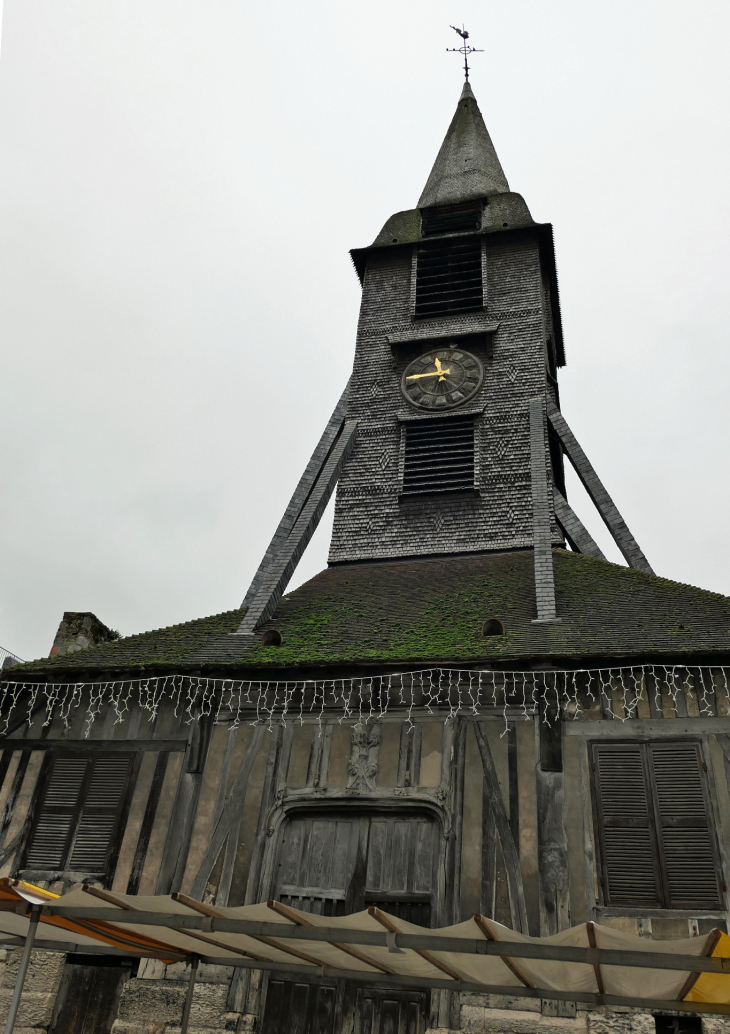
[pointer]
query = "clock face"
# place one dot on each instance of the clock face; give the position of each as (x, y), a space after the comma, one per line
(442, 379)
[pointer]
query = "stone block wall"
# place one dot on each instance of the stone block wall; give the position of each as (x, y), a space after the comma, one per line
(525, 1016)
(41, 987)
(153, 1006)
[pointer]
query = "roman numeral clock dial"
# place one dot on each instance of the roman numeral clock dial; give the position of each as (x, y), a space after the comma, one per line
(442, 379)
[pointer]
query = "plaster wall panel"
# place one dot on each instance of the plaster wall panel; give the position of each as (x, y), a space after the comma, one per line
(148, 882)
(388, 755)
(205, 813)
(499, 748)
(299, 759)
(431, 750)
(339, 756)
(134, 822)
(252, 804)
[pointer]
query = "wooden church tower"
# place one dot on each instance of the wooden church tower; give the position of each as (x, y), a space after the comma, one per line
(470, 711)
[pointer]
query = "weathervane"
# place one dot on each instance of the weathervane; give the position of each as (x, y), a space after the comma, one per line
(464, 49)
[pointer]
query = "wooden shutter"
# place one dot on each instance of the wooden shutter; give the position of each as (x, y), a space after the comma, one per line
(683, 826)
(653, 819)
(625, 825)
(55, 820)
(78, 813)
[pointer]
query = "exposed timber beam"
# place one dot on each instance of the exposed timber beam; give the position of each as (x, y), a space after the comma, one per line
(575, 532)
(601, 499)
(280, 569)
(301, 494)
(542, 537)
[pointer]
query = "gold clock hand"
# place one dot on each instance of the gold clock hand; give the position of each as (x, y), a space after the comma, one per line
(436, 373)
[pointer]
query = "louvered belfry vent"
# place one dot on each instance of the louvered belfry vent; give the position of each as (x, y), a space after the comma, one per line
(449, 278)
(653, 818)
(439, 455)
(78, 813)
(451, 218)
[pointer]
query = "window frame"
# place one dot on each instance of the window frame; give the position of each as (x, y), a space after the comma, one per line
(655, 826)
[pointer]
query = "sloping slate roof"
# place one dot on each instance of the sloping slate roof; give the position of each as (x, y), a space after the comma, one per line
(164, 647)
(431, 612)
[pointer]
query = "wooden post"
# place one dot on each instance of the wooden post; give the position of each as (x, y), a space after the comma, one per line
(189, 996)
(35, 916)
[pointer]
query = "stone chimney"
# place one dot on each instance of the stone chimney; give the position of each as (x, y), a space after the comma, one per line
(78, 630)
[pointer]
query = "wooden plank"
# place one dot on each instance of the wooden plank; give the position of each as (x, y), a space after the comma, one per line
(279, 571)
(91, 746)
(601, 499)
(647, 728)
(576, 533)
(301, 494)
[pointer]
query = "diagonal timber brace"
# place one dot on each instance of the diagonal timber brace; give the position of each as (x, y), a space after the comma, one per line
(275, 577)
(301, 493)
(541, 530)
(601, 499)
(577, 535)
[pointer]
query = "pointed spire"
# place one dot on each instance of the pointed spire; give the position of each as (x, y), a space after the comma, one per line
(467, 165)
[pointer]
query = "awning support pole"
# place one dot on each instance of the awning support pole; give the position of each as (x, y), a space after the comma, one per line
(189, 996)
(35, 915)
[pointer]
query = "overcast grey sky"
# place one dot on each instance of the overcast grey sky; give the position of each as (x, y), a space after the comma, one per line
(179, 187)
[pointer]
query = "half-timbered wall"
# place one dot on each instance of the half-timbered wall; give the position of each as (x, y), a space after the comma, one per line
(433, 820)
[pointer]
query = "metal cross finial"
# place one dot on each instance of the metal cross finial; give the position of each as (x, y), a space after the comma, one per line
(464, 49)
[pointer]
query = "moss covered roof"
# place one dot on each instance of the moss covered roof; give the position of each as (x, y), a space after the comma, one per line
(431, 611)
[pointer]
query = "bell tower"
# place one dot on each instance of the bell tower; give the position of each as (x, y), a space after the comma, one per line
(459, 329)
(448, 439)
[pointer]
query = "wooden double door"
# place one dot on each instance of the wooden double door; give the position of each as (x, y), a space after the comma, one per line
(336, 863)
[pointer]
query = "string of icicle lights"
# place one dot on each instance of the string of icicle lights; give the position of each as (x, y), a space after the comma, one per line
(449, 692)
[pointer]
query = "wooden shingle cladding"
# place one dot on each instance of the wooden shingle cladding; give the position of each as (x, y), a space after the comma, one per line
(655, 829)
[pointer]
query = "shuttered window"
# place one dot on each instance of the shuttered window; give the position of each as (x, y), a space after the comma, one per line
(653, 818)
(439, 455)
(449, 278)
(78, 813)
